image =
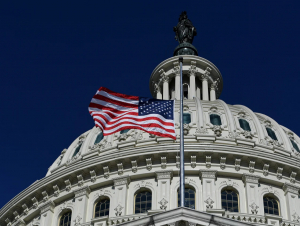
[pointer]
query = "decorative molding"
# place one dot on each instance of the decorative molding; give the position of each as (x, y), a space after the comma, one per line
(124, 180)
(254, 208)
(279, 173)
(25, 209)
(237, 164)
(118, 210)
(250, 178)
(193, 161)
(8, 222)
(102, 192)
(149, 164)
(193, 68)
(223, 163)
(163, 204)
(208, 173)
(68, 185)
(208, 161)
(163, 162)
(143, 184)
(16, 214)
(293, 177)
(291, 188)
(93, 176)
(77, 220)
(56, 190)
(35, 202)
(295, 217)
(164, 174)
(178, 162)
(209, 203)
(266, 170)
(48, 206)
(45, 196)
(134, 166)
(229, 183)
(80, 180)
(83, 191)
(106, 172)
(176, 69)
(120, 168)
(206, 73)
(200, 131)
(251, 166)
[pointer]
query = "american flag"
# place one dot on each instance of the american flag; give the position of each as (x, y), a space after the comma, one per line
(113, 112)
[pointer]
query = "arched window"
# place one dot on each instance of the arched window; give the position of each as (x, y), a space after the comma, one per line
(143, 202)
(295, 145)
(124, 131)
(186, 118)
(271, 205)
(99, 138)
(271, 133)
(102, 208)
(65, 219)
(244, 125)
(77, 150)
(215, 119)
(230, 200)
(189, 198)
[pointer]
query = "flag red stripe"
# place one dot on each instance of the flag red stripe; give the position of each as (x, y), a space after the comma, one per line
(119, 94)
(116, 102)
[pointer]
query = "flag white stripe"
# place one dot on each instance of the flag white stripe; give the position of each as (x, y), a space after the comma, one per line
(110, 96)
(107, 104)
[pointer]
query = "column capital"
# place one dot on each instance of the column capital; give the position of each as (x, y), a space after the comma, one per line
(156, 88)
(47, 206)
(164, 76)
(82, 191)
(164, 174)
(287, 187)
(213, 85)
(176, 69)
(124, 180)
(212, 174)
(250, 178)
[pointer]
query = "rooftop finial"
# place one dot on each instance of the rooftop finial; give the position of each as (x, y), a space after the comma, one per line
(184, 31)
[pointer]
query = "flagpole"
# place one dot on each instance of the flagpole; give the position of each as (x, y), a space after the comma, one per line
(182, 178)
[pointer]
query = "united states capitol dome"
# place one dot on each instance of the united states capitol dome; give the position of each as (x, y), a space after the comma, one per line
(241, 167)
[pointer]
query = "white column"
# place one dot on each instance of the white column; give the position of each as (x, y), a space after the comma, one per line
(121, 186)
(81, 204)
(166, 89)
(177, 87)
(158, 95)
(208, 178)
(213, 92)
(292, 203)
(198, 93)
(163, 185)
(252, 199)
(204, 88)
(192, 73)
(47, 213)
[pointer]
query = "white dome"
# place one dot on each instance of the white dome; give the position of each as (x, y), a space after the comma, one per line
(226, 147)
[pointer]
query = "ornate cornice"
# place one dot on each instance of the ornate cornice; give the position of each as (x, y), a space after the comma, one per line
(47, 206)
(164, 174)
(287, 187)
(250, 178)
(208, 173)
(82, 191)
(124, 180)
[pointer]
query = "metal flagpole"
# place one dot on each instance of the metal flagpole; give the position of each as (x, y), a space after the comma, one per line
(182, 178)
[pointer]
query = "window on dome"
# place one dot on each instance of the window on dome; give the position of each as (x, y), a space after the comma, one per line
(102, 208)
(295, 145)
(230, 200)
(271, 133)
(124, 131)
(77, 150)
(244, 125)
(143, 202)
(186, 118)
(65, 219)
(271, 205)
(99, 138)
(215, 119)
(189, 198)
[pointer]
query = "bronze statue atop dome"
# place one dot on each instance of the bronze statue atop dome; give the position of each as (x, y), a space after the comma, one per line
(184, 31)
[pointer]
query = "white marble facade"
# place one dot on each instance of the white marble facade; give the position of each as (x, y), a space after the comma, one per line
(217, 157)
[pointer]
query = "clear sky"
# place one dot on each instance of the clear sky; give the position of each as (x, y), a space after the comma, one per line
(54, 56)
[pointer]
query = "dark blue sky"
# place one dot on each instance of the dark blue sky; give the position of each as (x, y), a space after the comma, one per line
(54, 56)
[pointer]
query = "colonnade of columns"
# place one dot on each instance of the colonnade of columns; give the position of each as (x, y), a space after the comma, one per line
(208, 93)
